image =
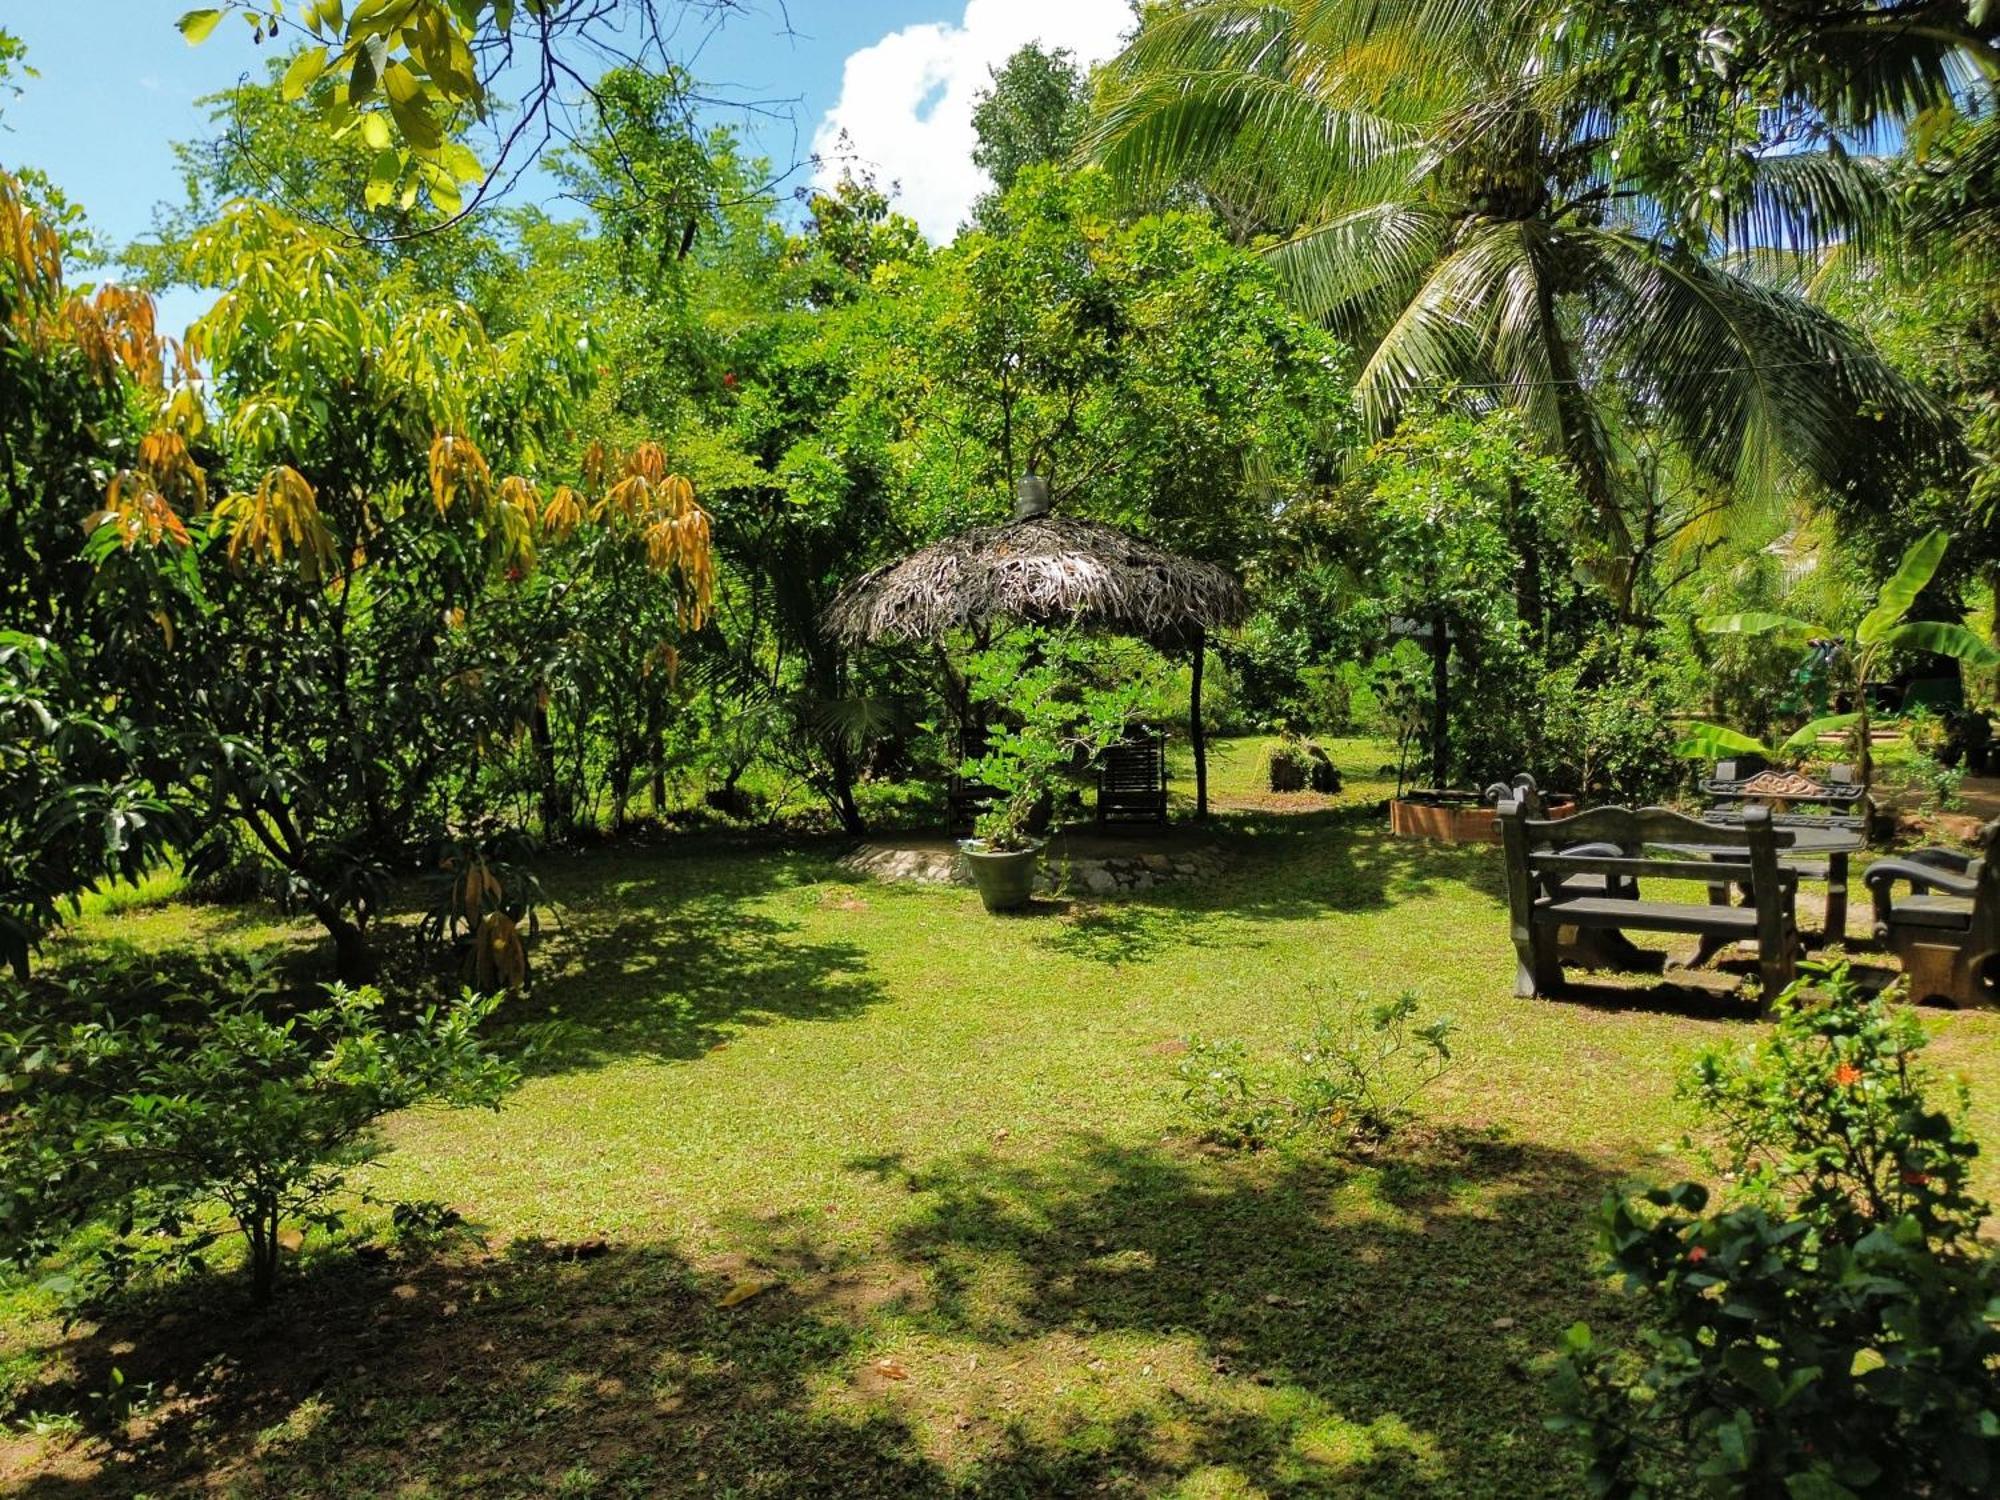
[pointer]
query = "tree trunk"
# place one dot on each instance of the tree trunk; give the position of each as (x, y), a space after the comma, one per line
(262, 1232)
(555, 812)
(1196, 734)
(1440, 701)
(656, 744)
(1864, 754)
(353, 954)
(851, 822)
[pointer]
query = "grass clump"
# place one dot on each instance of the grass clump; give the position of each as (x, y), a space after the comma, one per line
(1350, 1079)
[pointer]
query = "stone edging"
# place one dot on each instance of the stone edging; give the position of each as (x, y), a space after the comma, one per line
(1118, 875)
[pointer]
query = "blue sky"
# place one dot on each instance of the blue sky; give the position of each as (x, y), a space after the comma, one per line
(117, 87)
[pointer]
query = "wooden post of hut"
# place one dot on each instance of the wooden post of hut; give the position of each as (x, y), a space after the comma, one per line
(1196, 735)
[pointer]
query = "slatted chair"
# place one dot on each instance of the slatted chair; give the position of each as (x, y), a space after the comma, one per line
(1946, 931)
(1543, 862)
(1132, 781)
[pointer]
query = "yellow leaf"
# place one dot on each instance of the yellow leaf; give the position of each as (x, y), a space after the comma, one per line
(744, 1290)
(406, 103)
(303, 73)
(197, 24)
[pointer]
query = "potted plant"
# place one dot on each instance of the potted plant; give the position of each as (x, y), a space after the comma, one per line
(1047, 711)
(1004, 853)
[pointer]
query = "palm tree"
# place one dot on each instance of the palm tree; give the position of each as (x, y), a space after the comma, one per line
(1443, 184)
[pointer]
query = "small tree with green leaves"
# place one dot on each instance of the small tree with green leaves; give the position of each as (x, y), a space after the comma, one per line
(177, 1103)
(1049, 709)
(1854, 656)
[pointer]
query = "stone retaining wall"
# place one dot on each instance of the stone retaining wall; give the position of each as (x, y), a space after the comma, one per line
(1096, 876)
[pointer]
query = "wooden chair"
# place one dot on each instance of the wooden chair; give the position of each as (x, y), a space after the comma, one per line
(1544, 862)
(1132, 781)
(1946, 931)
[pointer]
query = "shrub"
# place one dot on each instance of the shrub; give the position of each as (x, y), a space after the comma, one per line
(1833, 1329)
(1940, 782)
(1295, 764)
(176, 1108)
(1351, 1078)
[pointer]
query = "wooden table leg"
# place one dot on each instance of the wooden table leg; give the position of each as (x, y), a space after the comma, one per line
(1836, 897)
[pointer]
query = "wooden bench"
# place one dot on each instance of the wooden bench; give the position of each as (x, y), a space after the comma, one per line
(1840, 800)
(1550, 863)
(1605, 948)
(1946, 931)
(1132, 781)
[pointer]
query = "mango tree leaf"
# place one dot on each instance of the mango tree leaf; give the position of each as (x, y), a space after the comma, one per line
(383, 174)
(1713, 741)
(197, 24)
(460, 162)
(1784, 627)
(1945, 639)
(1919, 565)
(1807, 735)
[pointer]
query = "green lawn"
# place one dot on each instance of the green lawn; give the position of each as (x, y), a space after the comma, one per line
(948, 1143)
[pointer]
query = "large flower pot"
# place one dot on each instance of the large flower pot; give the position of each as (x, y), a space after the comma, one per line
(1006, 880)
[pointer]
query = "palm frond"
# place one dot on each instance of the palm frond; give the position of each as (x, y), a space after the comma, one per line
(1752, 378)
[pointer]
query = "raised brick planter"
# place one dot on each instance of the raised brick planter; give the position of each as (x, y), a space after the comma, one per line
(1467, 822)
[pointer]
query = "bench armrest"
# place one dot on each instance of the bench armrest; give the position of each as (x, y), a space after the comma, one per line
(1954, 860)
(1885, 874)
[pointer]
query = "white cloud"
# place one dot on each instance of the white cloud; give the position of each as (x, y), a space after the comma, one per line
(906, 102)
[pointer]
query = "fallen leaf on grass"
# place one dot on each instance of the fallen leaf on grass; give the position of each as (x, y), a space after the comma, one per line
(888, 1369)
(744, 1290)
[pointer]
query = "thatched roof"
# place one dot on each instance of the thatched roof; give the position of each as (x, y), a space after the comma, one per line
(1046, 570)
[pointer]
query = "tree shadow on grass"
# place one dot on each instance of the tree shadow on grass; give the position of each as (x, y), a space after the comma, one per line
(1283, 867)
(665, 957)
(1387, 1318)
(1119, 1319)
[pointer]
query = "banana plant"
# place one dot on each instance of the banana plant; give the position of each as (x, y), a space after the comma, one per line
(1859, 651)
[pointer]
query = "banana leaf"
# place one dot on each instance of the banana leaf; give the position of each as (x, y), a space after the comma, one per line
(1808, 734)
(1945, 639)
(1900, 592)
(1713, 741)
(1784, 627)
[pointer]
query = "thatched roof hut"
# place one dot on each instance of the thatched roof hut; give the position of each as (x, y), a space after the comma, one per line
(1044, 569)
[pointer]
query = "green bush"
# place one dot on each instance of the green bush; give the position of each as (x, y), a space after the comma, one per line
(1352, 1078)
(1833, 1329)
(155, 1109)
(1295, 764)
